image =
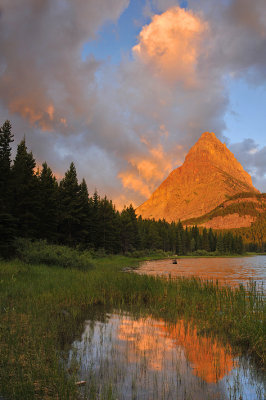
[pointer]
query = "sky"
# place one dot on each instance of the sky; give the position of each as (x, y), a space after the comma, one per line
(124, 88)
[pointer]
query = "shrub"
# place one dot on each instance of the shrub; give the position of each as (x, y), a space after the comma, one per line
(201, 253)
(40, 252)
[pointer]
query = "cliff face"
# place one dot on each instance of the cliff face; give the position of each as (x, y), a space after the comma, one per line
(209, 175)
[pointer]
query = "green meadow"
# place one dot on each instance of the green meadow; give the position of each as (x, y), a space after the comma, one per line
(43, 309)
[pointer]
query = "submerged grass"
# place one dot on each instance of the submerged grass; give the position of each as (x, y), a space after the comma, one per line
(43, 310)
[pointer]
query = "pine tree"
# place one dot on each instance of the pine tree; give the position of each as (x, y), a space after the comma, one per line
(179, 238)
(220, 244)
(193, 245)
(153, 237)
(205, 240)
(187, 241)
(25, 192)
(70, 212)
(239, 246)
(130, 239)
(212, 240)
(48, 204)
(7, 221)
(83, 235)
(6, 138)
(93, 228)
(109, 226)
(196, 236)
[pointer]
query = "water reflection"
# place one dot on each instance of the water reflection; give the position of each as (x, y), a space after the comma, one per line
(208, 359)
(232, 271)
(143, 358)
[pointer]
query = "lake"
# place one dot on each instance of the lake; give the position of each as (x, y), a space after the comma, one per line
(231, 271)
(125, 357)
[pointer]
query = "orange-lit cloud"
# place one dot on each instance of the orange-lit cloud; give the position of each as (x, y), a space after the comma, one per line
(154, 167)
(63, 121)
(45, 118)
(121, 201)
(131, 181)
(50, 112)
(173, 89)
(145, 173)
(171, 44)
(34, 114)
(22, 106)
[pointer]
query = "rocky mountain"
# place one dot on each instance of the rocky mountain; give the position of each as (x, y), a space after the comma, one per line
(209, 176)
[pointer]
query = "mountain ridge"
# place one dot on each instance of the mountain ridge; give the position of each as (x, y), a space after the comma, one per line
(209, 175)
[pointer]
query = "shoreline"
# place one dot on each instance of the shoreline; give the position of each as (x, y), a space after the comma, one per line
(44, 308)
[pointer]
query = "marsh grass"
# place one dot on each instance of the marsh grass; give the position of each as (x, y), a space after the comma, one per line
(43, 309)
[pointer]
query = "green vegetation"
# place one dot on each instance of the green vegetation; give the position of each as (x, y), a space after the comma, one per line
(43, 310)
(63, 240)
(252, 208)
(254, 236)
(34, 205)
(40, 252)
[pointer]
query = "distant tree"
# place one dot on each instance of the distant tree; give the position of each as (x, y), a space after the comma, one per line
(205, 240)
(172, 237)
(212, 240)
(193, 244)
(187, 241)
(180, 242)
(220, 244)
(239, 246)
(196, 236)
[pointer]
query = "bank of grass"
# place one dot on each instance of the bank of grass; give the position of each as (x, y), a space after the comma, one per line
(43, 309)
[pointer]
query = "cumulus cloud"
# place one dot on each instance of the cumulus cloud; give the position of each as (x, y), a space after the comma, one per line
(43, 77)
(250, 154)
(128, 132)
(47, 90)
(238, 33)
(183, 60)
(171, 44)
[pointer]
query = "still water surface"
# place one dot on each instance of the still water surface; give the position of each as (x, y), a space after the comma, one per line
(122, 357)
(125, 357)
(231, 271)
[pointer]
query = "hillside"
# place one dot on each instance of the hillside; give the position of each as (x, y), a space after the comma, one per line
(239, 211)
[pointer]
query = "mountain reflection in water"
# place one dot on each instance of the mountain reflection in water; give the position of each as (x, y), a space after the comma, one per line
(209, 360)
(146, 358)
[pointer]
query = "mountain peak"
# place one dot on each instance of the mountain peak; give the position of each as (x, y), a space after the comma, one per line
(208, 136)
(208, 176)
(209, 149)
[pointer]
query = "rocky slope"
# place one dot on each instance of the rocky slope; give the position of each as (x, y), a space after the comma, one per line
(240, 211)
(209, 176)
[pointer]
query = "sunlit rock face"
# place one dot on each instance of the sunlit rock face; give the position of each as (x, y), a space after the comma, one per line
(208, 176)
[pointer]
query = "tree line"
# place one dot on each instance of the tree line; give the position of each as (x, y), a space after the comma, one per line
(33, 204)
